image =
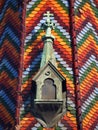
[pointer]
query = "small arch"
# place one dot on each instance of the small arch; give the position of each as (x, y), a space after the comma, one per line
(49, 89)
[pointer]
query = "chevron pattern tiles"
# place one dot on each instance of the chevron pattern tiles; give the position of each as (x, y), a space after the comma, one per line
(11, 64)
(86, 20)
(9, 61)
(33, 52)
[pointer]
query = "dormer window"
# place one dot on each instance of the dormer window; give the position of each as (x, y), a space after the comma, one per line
(49, 103)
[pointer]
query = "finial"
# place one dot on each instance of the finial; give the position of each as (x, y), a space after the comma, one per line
(48, 25)
(48, 14)
(48, 39)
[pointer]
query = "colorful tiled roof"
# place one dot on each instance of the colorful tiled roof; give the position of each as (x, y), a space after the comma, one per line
(76, 52)
(10, 41)
(33, 53)
(86, 25)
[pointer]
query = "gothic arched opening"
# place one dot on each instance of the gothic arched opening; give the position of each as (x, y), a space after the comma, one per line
(49, 89)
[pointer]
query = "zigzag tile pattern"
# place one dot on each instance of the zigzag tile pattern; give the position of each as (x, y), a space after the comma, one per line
(33, 53)
(9, 61)
(86, 20)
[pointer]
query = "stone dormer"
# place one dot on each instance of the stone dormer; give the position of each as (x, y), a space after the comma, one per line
(49, 93)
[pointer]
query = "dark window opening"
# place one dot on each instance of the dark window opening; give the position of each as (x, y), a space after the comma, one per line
(49, 89)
